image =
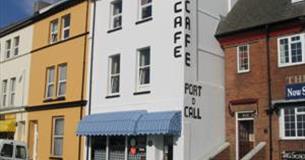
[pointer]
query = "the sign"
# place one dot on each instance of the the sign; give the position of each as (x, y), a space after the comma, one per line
(246, 115)
(295, 91)
(293, 155)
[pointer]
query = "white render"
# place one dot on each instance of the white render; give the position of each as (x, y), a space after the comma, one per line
(200, 137)
(18, 67)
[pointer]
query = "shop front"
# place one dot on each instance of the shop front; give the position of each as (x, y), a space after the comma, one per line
(134, 135)
(7, 126)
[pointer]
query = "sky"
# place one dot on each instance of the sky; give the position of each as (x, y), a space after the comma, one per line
(15, 10)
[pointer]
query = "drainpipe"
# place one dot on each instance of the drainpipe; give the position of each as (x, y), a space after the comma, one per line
(84, 75)
(91, 73)
(269, 110)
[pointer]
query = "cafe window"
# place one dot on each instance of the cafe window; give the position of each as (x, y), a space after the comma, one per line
(7, 150)
(293, 122)
(116, 14)
(117, 148)
(58, 136)
(114, 75)
(243, 59)
(143, 69)
(98, 151)
(137, 148)
(145, 9)
(291, 50)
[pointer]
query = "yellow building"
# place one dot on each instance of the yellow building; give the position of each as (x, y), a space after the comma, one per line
(57, 93)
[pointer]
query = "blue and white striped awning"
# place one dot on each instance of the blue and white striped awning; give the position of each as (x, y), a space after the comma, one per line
(131, 123)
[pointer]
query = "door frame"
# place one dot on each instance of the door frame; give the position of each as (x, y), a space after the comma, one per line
(237, 130)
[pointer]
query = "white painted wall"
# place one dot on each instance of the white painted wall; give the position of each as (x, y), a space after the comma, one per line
(168, 74)
(19, 67)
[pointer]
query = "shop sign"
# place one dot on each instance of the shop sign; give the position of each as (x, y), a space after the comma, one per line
(293, 155)
(246, 115)
(295, 91)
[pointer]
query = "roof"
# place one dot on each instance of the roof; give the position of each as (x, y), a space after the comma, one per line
(131, 123)
(50, 10)
(247, 14)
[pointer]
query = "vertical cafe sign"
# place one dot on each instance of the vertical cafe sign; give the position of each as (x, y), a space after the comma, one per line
(185, 47)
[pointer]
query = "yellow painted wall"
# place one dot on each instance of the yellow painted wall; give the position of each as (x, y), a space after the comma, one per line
(70, 144)
(44, 55)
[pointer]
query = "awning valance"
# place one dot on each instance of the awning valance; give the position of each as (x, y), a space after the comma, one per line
(130, 123)
(8, 125)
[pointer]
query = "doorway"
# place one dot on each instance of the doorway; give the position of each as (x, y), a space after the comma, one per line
(244, 133)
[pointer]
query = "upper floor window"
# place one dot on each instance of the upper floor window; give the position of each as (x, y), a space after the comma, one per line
(143, 68)
(243, 59)
(54, 31)
(4, 93)
(65, 27)
(8, 49)
(293, 122)
(50, 85)
(16, 45)
(291, 50)
(114, 74)
(62, 80)
(12, 91)
(58, 136)
(145, 9)
(116, 14)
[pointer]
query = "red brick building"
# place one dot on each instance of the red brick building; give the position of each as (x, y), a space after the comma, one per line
(264, 45)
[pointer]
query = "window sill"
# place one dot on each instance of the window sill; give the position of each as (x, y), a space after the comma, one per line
(112, 96)
(243, 72)
(290, 65)
(55, 158)
(54, 99)
(115, 29)
(144, 20)
(141, 93)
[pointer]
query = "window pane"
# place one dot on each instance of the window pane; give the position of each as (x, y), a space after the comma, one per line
(62, 89)
(20, 152)
(284, 52)
(58, 146)
(98, 151)
(296, 52)
(138, 143)
(115, 84)
(301, 125)
(144, 75)
(243, 57)
(66, 20)
(16, 46)
(7, 150)
(50, 90)
(50, 74)
(115, 64)
(62, 72)
(117, 148)
(289, 122)
(117, 21)
(59, 126)
(146, 12)
(117, 7)
(145, 57)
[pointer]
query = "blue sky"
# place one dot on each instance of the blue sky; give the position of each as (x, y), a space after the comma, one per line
(15, 10)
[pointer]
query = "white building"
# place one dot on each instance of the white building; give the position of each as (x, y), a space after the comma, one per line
(157, 80)
(15, 48)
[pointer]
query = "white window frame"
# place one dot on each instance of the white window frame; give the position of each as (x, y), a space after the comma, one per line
(113, 17)
(50, 83)
(302, 40)
(142, 87)
(67, 28)
(4, 92)
(62, 81)
(8, 47)
(54, 32)
(12, 91)
(141, 8)
(111, 75)
(282, 125)
(239, 70)
(16, 45)
(57, 136)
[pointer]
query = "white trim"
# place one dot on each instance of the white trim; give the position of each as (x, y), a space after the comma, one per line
(248, 55)
(65, 28)
(55, 32)
(4, 92)
(62, 81)
(54, 136)
(12, 91)
(16, 47)
(111, 75)
(51, 83)
(142, 87)
(280, 65)
(7, 49)
(237, 130)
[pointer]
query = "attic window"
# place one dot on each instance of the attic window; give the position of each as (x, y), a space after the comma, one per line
(295, 1)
